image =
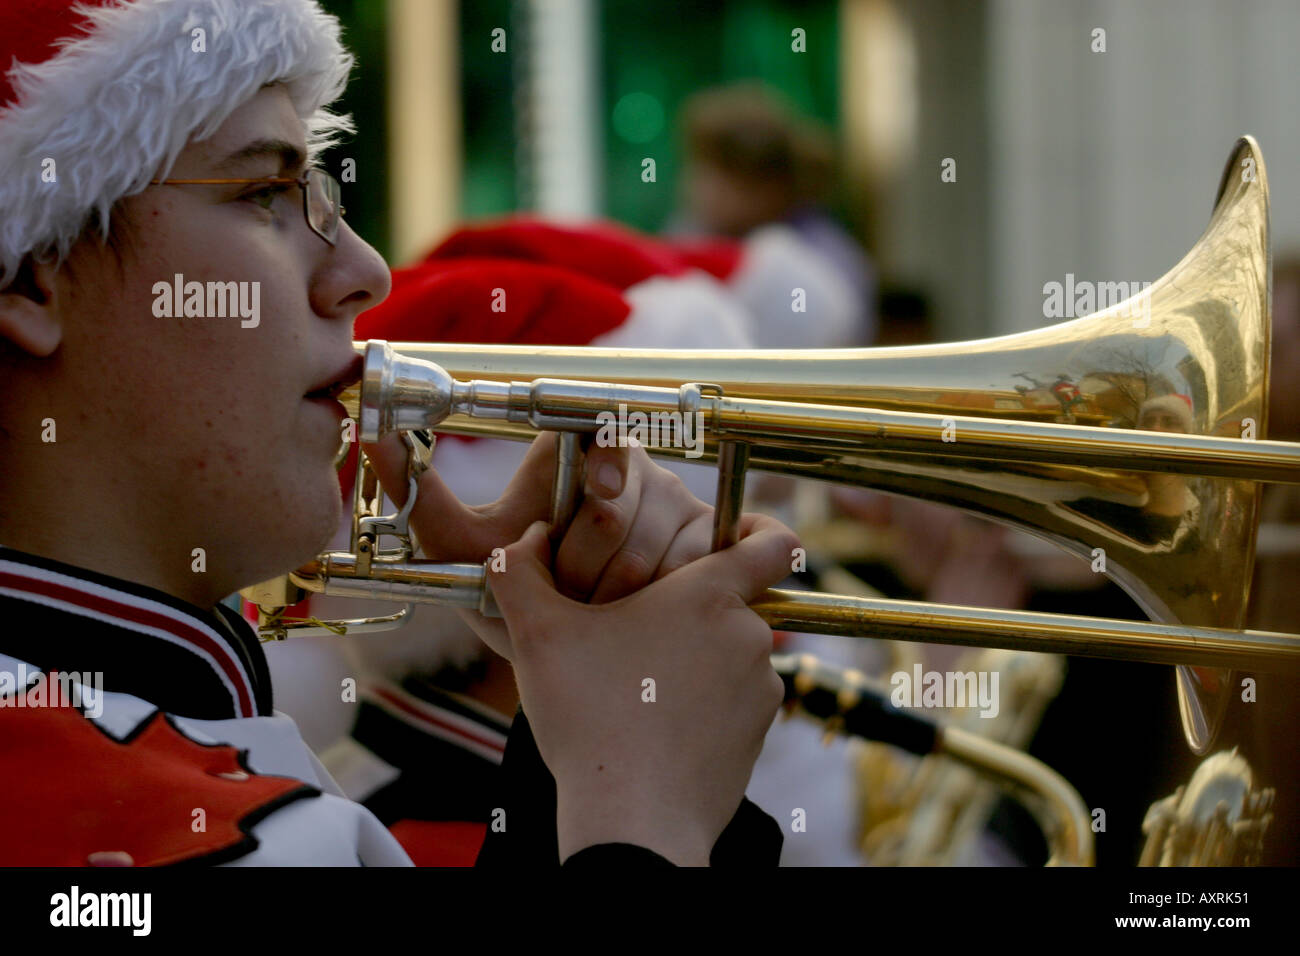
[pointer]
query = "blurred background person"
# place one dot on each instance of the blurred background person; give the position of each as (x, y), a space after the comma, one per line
(756, 170)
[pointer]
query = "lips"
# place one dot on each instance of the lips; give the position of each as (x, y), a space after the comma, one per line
(338, 381)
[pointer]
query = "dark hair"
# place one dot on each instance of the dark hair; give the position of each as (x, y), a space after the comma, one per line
(748, 131)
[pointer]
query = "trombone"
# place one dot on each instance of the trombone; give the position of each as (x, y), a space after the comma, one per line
(1049, 430)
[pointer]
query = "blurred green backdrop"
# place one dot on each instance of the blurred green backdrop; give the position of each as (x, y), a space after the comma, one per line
(652, 56)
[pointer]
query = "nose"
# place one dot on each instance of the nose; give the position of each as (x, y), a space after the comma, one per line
(350, 278)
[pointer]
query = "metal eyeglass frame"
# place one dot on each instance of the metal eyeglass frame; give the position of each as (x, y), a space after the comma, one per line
(304, 182)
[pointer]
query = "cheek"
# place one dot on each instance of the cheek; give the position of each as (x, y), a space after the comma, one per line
(219, 394)
(213, 409)
(210, 371)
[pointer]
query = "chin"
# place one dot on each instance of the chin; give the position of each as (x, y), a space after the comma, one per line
(310, 528)
(326, 522)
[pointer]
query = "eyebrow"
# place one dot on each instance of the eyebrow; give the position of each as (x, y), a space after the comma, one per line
(291, 157)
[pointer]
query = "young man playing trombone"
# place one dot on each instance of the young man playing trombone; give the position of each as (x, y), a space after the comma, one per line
(154, 465)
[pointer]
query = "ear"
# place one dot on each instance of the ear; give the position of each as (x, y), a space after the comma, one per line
(29, 314)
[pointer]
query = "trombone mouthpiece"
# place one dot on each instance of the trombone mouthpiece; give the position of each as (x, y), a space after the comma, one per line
(401, 394)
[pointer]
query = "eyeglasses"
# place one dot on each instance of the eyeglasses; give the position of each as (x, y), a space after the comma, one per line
(321, 197)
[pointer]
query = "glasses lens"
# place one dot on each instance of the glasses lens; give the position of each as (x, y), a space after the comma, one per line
(323, 203)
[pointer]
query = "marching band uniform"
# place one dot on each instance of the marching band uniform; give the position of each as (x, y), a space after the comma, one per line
(425, 760)
(185, 761)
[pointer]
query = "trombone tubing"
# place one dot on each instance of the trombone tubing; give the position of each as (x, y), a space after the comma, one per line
(1076, 635)
(582, 406)
(876, 430)
(467, 585)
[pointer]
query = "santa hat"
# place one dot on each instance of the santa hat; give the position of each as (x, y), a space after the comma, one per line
(522, 281)
(111, 91)
(1176, 405)
(789, 295)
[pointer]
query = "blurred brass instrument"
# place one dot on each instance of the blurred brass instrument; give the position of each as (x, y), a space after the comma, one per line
(930, 806)
(1047, 430)
(927, 811)
(1217, 819)
(852, 703)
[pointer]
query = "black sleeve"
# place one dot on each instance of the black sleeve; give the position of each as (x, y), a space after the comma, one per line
(526, 792)
(627, 856)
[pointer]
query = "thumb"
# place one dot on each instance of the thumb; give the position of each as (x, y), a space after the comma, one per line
(522, 584)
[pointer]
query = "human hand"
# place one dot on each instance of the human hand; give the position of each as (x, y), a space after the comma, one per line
(649, 710)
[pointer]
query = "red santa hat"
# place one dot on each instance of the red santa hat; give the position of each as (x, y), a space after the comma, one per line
(522, 281)
(789, 296)
(111, 91)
